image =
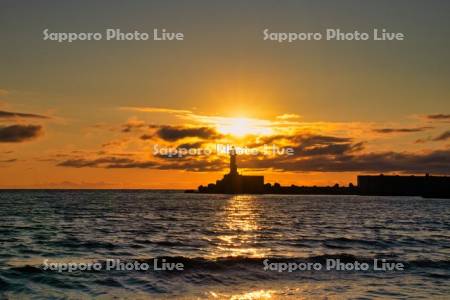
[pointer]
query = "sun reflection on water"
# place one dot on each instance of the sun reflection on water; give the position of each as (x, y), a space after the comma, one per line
(240, 228)
(261, 294)
(252, 295)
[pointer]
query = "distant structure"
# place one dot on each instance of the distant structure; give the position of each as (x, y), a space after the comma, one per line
(235, 183)
(394, 185)
(368, 185)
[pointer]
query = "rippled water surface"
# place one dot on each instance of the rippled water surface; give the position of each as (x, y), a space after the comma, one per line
(222, 240)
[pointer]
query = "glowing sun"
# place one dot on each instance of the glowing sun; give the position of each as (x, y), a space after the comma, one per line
(243, 126)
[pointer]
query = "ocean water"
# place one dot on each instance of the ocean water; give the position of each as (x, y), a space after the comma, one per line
(223, 243)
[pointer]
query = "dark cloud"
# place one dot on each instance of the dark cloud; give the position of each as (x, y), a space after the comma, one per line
(8, 114)
(194, 165)
(133, 165)
(174, 133)
(312, 153)
(434, 162)
(309, 144)
(310, 140)
(170, 133)
(312, 145)
(439, 117)
(301, 141)
(443, 137)
(190, 145)
(191, 165)
(94, 163)
(146, 137)
(8, 160)
(328, 149)
(19, 133)
(401, 130)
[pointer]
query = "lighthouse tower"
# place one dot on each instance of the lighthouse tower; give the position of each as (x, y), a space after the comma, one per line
(233, 164)
(235, 183)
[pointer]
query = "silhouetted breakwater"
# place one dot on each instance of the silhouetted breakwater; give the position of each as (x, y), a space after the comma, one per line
(368, 185)
(378, 185)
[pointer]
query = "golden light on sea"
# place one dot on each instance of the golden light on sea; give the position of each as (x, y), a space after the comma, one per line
(239, 230)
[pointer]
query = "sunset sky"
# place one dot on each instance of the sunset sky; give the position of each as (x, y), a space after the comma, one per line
(88, 114)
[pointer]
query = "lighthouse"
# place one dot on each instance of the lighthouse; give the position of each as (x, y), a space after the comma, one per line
(233, 164)
(235, 183)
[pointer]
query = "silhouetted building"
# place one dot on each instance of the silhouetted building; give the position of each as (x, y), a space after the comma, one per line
(389, 185)
(235, 183)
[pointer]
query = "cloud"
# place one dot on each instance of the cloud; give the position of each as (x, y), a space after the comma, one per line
(437, 162)
(311, 140)
(433, 162)
(194, 165)
(132, 165)
(8, 160)
(8, 114)
(318, 147)
(288, 116)
(312, 145)
(169, 133)
(133, 124)
(174, 133)
(443, 137)
(190, 145)
(306, 146)
(401, 130)
(329, 149)
(146, 137)
(94, 163)
(155, 110)
(19, 133)
(438, 117)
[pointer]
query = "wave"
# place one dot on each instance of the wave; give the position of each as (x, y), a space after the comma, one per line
(230, 262)
(200, 271)
(239, 262)
(347, 243)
